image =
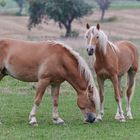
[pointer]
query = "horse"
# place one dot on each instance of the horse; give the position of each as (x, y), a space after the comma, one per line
(112, 61)
(50, 63)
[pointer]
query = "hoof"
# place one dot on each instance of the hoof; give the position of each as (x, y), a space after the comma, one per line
(58, 121)
(117, 117)
(33, 122)
(129, 117)
(122, 120)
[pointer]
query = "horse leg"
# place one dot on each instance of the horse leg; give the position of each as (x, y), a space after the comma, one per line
(101, 93)
(115, 81)
(130, 91)
(117, 116)
(41, 87)
(55, 96)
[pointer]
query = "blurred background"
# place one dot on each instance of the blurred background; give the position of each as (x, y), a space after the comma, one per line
(65, 20)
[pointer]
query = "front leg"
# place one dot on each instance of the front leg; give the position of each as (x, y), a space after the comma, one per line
(41, 87)
(101, 93)
(55, 96)
(115, 81)
(117, 116)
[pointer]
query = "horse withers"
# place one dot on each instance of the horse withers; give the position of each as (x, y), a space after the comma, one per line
(49, 63)
(112, 62)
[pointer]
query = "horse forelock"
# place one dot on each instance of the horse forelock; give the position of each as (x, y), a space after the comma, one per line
(103, 40)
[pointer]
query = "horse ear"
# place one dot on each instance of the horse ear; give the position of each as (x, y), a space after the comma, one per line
(88, 26)
(98, 26)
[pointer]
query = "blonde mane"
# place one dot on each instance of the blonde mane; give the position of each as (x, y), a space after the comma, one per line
(83, 68)
(103, 40)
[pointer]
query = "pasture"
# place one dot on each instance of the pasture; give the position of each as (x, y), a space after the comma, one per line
(16, 98)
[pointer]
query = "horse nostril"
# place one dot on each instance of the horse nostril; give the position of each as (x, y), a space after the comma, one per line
(92, 50)
(90, 118)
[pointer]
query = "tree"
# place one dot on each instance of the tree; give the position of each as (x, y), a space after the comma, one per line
(2, 3)
(104, 5)
(20, 4)
(61, 11)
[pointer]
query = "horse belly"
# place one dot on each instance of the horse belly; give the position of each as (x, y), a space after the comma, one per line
(125, 63)
(103, 73)
(21, 72)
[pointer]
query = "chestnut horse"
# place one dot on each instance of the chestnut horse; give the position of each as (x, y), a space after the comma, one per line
(49, 63)
(112, 62)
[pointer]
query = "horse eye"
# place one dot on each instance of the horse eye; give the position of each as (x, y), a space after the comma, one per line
(87, 36)
(97, 37)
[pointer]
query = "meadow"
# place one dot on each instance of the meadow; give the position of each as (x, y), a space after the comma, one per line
(16, 100)
(16, 97)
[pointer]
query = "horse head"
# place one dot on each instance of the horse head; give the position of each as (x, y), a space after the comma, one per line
(87, 104)
(92, 37)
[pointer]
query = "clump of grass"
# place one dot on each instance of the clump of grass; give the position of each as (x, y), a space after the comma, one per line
(110, 19)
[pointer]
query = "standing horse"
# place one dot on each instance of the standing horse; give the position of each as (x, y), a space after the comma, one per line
(49, 63)
(112, 62)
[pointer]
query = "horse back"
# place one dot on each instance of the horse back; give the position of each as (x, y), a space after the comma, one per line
(128, 52)
(27, 61)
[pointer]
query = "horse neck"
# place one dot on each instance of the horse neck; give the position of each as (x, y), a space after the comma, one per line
(77, 81)
(99, 53)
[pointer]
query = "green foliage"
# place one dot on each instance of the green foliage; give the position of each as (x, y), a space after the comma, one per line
(20, 4)
(61, 11)
(37, 10)
(2, 3)
(104, 5)
(110, 19)
(74, 34)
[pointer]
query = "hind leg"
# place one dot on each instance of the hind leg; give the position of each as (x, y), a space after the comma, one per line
(55, 97)
(41, 87)
(130, 91)
(115, 81)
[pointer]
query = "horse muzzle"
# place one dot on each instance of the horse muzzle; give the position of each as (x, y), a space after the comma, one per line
(90, 51)
(90, 118)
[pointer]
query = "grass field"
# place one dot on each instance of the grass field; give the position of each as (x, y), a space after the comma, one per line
(16, 100)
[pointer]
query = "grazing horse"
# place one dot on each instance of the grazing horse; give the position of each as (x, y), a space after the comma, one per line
(50, 63)
(112, 62)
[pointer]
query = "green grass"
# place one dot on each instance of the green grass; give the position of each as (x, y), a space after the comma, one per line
(16, 100)
(120, 4)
